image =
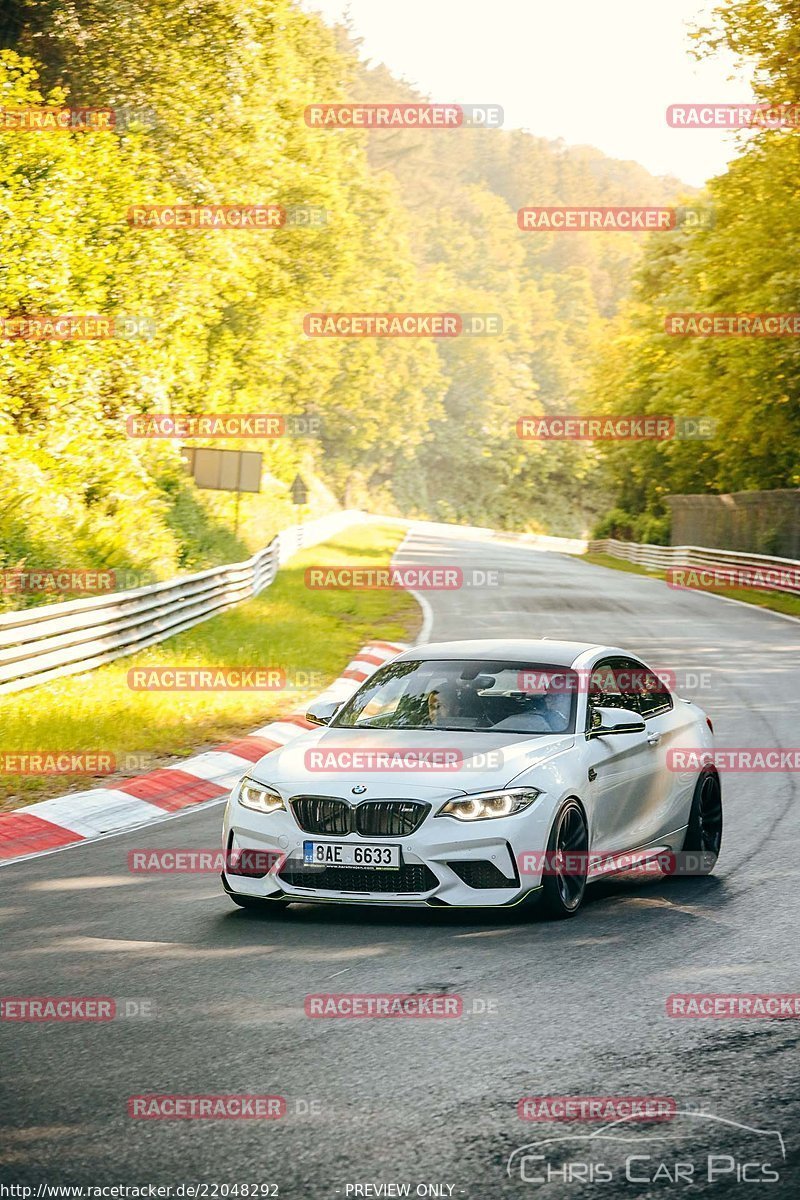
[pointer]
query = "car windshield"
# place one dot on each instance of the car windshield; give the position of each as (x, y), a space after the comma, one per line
(465, 695)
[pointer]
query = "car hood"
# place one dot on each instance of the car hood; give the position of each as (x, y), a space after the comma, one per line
(386, 762)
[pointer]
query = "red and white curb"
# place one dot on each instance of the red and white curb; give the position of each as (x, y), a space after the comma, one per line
(81, 816)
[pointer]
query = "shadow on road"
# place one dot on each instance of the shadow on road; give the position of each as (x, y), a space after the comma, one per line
(703, 894)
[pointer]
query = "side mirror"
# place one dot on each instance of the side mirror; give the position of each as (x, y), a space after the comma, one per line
(614, 720)
(323, 714)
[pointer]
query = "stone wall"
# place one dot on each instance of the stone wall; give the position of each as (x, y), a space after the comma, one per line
(753, 522)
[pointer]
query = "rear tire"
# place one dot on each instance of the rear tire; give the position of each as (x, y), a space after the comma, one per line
(703, 839)
(563, 891)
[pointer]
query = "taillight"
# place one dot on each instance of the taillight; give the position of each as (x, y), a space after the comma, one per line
(708, 723)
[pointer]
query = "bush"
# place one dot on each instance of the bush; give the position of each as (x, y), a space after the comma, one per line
(615, 524)
(651, 529)
(633, 527)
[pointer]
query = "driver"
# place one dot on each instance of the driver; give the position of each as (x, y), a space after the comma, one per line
(442, 703)
(556, 709)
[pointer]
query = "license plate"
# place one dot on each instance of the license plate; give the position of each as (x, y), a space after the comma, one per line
(349, 854)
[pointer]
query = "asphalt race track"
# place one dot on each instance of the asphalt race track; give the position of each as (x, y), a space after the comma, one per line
(572, 1008)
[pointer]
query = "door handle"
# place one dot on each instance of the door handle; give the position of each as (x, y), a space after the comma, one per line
(653, 739)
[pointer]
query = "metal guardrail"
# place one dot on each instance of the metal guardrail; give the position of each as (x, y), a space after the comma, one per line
(777, 574)
(41, 644)
(543, 541)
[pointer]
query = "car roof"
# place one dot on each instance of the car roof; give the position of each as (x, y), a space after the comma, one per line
(536, 650)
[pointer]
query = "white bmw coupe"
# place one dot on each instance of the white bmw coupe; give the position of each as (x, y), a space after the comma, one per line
(481, 773)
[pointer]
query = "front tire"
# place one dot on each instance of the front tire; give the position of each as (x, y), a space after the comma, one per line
(563, 889)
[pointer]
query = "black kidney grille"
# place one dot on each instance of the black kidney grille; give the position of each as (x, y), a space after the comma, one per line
(321, 814)
(371, 818)
(389, 818)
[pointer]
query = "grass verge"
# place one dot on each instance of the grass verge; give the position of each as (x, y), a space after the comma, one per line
(780, 602)
(310, 634)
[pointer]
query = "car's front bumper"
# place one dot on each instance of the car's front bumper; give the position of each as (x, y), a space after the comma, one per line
(444, 863)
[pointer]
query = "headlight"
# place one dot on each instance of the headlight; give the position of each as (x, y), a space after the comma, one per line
(259, 797)
(490, 804)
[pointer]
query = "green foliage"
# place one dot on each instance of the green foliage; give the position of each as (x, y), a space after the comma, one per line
(742, 263)
(615, 524)
(619, 524)
(227, 308)
(417, 221)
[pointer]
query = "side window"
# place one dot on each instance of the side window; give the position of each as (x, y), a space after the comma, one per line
(604, 692)
(643, 691)
(626, 683)
(653, 695)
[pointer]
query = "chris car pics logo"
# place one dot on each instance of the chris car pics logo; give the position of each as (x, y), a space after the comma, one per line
(693, 1150)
